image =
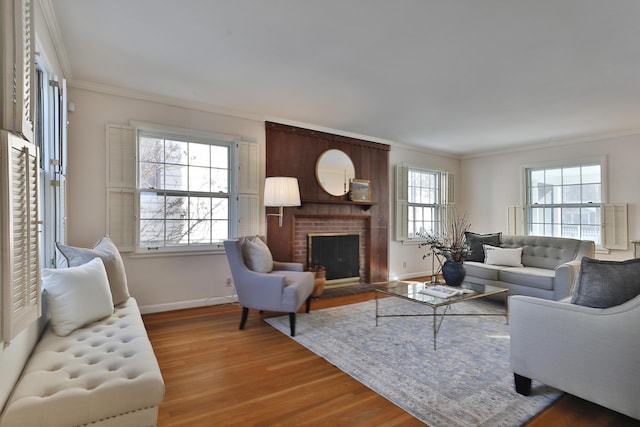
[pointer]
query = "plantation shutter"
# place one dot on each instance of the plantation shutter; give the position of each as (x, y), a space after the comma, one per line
(17, 82)
(248, 189)
(402, 202)
(19, 172)
(615, 226)
(514, 220)
(121, 182)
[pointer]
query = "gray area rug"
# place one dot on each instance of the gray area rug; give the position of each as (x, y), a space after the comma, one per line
(467, 381)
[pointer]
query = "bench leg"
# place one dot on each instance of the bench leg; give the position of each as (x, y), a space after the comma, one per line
(523, 384)
(243, 319)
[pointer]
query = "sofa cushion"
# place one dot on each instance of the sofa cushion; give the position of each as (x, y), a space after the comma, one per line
(603, 284)
(510, 257)
(476, 242)
(256, 255)
(77, 295)
(534, 277)
(482, 270)
(107, 251)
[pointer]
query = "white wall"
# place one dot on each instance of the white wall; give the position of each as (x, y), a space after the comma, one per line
(158, 282)
(405, 260)
(492, 182)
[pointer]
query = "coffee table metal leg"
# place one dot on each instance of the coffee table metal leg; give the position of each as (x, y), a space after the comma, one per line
(376, 295)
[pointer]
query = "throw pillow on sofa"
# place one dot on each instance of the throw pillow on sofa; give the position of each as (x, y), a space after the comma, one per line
(508, 257)
(476, 244)
(77, 296)
(107, 251)
(603, 284)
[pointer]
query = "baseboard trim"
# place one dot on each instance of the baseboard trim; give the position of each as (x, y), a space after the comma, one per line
(203, 302)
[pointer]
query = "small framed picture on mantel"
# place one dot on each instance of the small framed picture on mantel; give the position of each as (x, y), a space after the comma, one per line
(360, 190)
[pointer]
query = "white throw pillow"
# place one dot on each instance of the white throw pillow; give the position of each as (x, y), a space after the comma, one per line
(509, 257)
(77, 296)
(107, 251)
(256, 255)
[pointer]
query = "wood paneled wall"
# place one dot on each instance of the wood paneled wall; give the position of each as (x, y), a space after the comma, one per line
(293, 151)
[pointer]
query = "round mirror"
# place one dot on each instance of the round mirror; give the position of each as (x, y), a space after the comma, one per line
(334, 171)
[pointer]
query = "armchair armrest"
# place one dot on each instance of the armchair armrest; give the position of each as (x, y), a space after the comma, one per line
(565, 277)
(589, 352)
(287, 266)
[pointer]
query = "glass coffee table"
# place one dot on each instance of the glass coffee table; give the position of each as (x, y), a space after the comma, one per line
(414, 291)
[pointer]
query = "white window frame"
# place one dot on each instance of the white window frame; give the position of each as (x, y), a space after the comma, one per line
(443, 204)
(613, 227)
(123, 194)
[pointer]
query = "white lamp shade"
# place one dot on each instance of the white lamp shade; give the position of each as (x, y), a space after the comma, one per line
(281, 191)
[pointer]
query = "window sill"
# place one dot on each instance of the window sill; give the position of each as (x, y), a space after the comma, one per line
(156, 254)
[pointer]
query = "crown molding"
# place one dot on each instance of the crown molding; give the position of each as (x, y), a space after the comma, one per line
(553, 143)
(56, 37)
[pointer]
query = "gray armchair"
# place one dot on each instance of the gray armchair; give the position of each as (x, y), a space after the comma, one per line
(592, 353)
(283, 289)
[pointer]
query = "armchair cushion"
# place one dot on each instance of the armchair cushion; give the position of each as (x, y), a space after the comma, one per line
(256, 254)
(603, 284)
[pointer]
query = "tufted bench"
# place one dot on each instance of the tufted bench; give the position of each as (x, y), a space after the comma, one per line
(103, 374)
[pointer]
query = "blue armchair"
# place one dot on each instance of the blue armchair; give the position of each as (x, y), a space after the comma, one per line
(283, 289)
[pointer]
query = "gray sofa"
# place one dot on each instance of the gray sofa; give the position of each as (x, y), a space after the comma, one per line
(549, 266)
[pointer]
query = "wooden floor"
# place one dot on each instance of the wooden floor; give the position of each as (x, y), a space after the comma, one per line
(216, 375)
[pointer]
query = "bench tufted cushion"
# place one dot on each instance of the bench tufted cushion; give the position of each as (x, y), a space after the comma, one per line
(103, 370)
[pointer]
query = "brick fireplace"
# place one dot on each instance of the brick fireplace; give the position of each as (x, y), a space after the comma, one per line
(293, 151)
(332, 224)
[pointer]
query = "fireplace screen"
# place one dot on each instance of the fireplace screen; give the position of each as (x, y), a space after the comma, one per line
(338, 253)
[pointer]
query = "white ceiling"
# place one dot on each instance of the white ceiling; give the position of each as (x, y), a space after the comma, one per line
(461, 76)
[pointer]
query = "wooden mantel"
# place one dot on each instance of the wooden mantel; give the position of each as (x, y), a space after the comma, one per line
(293, 151)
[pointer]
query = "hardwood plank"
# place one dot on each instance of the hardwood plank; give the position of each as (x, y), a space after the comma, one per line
(216, 374)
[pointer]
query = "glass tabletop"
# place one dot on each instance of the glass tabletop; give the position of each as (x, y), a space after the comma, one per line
(415, 291)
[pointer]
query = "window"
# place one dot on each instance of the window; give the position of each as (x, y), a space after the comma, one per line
(565, 201)
(422, 202)
(177, 190)
(184, 191)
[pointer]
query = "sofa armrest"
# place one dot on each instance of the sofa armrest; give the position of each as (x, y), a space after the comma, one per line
(566, 275)
(591, 353)
(287, 266)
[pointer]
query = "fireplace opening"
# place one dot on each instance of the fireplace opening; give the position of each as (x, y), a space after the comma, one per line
(339, 253)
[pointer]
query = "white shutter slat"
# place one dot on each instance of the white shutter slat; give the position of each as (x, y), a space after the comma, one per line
(121, 182)
(402, 203)
(121, 218)
(514, 220)
(249, 210)
(121, 151)
(248, 182)
(20, 278)
(615, 234)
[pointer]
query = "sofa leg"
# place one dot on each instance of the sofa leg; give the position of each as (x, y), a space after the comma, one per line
(309, 303)
(243, 319)
(292, 322)
(523, 384)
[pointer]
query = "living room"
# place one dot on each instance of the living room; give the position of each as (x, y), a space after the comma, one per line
(488, 178)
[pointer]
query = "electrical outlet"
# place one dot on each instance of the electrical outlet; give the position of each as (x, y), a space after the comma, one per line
(404, 264)
(229, 282)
